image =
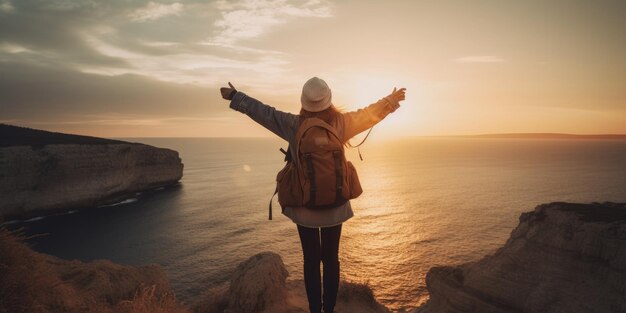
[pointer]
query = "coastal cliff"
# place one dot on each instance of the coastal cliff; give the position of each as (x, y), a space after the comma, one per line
(44, 172)
(36, 282)
(562, 257)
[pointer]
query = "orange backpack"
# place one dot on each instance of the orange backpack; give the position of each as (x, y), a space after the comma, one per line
(320, 177)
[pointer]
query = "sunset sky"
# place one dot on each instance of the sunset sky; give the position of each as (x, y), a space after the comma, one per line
(153, 68)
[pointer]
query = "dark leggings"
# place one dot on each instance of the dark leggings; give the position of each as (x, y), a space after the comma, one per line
(324, 248)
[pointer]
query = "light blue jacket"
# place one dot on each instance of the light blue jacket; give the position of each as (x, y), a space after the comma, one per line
(285, 125)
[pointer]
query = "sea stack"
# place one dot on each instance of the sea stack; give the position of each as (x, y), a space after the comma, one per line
(44, 172)
(562, 257)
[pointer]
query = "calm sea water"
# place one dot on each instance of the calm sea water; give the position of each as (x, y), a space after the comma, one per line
(426, 202)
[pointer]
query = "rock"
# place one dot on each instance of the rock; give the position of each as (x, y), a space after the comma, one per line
(357, 297)
(562, 257)
(260, 284)
(43, 178)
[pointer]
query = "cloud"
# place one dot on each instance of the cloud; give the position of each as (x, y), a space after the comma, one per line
(50, 31)
(98, 57)
(99, 37)
(479, 59)
(247, 19)
(12, 48)
(38, 92)
(114, 119)
(189, 67)
(6, 6)
(154, 11)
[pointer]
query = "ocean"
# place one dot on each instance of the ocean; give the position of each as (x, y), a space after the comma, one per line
(426, 202)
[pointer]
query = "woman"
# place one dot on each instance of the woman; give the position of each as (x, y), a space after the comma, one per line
(319, 230)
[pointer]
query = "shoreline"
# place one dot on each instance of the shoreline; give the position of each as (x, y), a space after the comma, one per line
(124, 198)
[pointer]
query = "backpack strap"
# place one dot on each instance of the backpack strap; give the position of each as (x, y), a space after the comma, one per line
(288, 159)
(339, 175)
(358, 146)
(311, 173)
(272, 198)
(287, 154)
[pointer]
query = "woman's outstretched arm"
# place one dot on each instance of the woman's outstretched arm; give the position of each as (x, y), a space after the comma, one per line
(278, 122)
(362, 119)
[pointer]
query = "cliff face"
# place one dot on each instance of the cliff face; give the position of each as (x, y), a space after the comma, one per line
(562, 257)
(36, 179)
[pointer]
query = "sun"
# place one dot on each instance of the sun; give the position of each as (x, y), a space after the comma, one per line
(361, 89)
(366, 89)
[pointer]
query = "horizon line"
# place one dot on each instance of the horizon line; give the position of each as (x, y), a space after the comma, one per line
(481, 135)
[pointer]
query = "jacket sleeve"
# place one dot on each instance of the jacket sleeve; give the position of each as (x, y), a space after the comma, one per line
(278, 122)
(362, 119)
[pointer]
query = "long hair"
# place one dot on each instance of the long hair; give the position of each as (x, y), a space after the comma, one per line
(328, 115)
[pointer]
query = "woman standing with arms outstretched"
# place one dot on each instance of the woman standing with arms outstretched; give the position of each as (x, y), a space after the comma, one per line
(319, 229)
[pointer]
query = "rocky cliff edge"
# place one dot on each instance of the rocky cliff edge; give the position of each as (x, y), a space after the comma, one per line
(43, 172)
(35, 282)
(260, 285)
(562, 257)
(32, 282)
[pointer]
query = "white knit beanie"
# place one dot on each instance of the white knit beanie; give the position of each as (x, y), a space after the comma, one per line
(316, 96)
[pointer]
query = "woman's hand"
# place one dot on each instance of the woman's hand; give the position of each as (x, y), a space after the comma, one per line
(397, 95)
(228, 92)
